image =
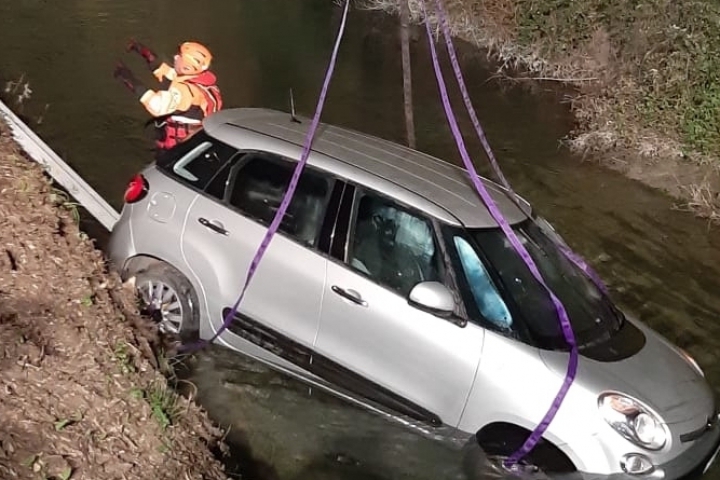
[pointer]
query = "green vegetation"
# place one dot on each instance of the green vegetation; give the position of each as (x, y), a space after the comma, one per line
(661, 70)
(63, 200)
(647, 72)
(163, 400)
(163, 403)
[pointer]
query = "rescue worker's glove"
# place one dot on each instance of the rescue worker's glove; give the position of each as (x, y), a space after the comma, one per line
(149, 56)
(125, 75)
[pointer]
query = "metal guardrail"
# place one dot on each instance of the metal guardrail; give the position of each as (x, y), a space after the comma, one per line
(60, 171)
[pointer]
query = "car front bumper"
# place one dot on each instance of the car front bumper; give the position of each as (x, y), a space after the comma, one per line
(689, 465)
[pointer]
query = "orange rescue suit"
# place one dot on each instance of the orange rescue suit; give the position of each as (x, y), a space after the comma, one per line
(184, 103)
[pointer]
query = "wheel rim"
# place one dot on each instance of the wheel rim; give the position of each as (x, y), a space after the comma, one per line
(161, 302)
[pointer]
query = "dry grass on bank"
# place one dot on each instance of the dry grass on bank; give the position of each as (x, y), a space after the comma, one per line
(704, 202)
(81, 396)
(646, 73)
(646, 76)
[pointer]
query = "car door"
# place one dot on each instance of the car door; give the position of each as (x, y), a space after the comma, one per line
(281, 308)
(380, 346)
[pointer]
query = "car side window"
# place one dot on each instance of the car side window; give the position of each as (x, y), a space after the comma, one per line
(393, 246)
(486, 296)
(260, 185)
(219, 183)
(196, 161)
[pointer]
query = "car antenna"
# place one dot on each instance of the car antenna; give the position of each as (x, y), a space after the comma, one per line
(292, 108)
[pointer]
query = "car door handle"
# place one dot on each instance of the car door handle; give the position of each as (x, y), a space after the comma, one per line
(349, 295)
(214, 225)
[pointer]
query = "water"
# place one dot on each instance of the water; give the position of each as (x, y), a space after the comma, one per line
(661, 264)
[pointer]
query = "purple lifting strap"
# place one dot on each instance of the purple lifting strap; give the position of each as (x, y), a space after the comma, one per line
(572, 256)
(280, 213)
(536, 434)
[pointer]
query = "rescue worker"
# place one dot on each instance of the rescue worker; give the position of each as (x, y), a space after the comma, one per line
(189, 92)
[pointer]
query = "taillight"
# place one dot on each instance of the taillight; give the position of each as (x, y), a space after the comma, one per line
(136, 189)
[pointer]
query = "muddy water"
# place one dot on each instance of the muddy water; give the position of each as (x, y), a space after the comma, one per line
(661, 264)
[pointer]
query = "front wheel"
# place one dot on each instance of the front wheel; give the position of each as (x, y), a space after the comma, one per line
(168, 298)
(487, 461)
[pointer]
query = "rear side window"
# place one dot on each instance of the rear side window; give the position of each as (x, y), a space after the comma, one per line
(196, 161)
(260, 185)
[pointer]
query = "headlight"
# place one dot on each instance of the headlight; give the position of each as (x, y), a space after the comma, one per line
(691, 361)
(632, 420)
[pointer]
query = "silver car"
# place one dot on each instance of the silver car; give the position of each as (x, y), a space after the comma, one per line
(391, 286)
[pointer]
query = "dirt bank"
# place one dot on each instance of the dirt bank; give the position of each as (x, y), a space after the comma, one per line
(643, 79)
(81, 393)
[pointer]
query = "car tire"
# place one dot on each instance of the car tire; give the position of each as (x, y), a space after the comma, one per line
(485, 462)
(166, 296)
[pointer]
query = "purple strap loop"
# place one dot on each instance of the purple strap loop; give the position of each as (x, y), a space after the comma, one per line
(280, 213)
(572, 256)
(565, 325)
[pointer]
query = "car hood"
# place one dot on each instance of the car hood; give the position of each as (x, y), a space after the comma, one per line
(657, 375)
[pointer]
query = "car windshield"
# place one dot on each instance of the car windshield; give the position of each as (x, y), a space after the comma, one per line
(504, 292)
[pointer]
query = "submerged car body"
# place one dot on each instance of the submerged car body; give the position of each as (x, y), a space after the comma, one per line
(390, 285)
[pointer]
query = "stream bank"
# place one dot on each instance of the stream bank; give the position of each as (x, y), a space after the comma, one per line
(83, 390)
(640, 82)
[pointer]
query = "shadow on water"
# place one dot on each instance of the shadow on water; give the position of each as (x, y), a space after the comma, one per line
(281, 428)
(661, 264)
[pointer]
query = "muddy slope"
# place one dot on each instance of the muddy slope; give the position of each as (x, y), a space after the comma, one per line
(81, 393)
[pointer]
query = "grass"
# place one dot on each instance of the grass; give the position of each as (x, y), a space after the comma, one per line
(163, 402)
(657, 61)
(704, 202)
(62, 199)
(645, 74)
(162, 399)
(124, 358)
(63, 423)
(645, 71)
(48, 471)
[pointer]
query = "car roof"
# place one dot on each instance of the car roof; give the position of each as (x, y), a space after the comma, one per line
(429, 184)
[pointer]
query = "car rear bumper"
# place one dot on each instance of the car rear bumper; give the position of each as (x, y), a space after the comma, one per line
(121, 245)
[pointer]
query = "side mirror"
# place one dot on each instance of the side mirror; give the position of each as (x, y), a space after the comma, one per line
(432, 297)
